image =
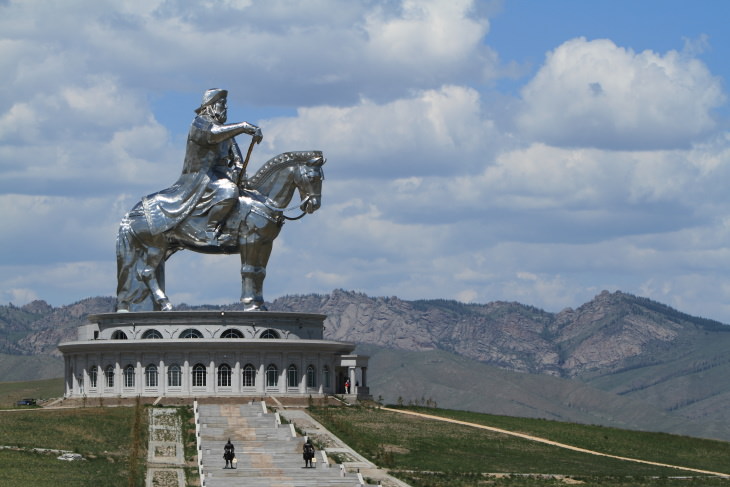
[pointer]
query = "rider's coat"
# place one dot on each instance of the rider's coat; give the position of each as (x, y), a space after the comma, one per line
(208, 176)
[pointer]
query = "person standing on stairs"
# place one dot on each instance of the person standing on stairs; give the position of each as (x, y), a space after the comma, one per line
(308, 453)
(229, 454)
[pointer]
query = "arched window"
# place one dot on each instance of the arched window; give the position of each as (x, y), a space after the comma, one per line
(269, 334)
(311, 376)
(150, 375)
(272, 376)
(129, 376)
(224, 375)
(119, 335)
(232, 333)
(93, 375)
(326, 376)
(174, 376)
(292, 376)
(191, 333)
(109, 375)
(249, 376)
(199, 375)
(151, 334)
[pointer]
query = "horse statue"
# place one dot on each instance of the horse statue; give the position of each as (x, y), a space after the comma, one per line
(249, 230)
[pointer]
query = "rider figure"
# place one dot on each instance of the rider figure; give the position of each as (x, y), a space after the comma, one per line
(207, 185)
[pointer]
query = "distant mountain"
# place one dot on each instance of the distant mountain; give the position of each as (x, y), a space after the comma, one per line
(618, 360)
(612, 332)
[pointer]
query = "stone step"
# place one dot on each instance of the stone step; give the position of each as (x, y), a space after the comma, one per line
(267, 454)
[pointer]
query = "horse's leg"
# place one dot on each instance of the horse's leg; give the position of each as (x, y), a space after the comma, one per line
(132, 238)
(126, 258)
(153, 260)
(253, 272)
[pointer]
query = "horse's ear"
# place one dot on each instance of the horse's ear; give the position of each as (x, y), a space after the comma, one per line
(317, 161)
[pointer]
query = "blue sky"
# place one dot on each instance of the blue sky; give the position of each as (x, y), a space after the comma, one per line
(527, 151)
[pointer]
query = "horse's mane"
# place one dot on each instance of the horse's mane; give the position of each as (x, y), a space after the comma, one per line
(279, 162)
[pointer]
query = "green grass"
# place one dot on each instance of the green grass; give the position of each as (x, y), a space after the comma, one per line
(436, 454)
(655, 447)
(11, 392)
(104, 436)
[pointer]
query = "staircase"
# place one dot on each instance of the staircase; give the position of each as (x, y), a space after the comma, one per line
(268, 453)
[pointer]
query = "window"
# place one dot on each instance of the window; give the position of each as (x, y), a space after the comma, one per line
(199, 375)
(119, 335)
(174, 376)
(151, 334)
(232, 333)
(191, 333)
(93, 375)
(326, 376)
(224, 375)
(269, 334)
(311, 376)
(292, 376)
(272, 376)
(150, 375)
(109, 375)
(129, 376)
(249, 376)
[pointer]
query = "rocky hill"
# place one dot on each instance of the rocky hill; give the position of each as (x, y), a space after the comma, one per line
(618, 359)
(610, 333)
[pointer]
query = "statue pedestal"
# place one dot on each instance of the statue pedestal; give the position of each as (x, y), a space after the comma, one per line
(209, 353)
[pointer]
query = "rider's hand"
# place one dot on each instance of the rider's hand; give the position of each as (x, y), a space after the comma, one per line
(258, 136)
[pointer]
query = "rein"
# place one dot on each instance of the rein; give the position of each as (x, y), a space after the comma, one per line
(282, 210)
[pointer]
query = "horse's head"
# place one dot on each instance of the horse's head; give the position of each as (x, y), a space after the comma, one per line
(309, 181)
(281, 175)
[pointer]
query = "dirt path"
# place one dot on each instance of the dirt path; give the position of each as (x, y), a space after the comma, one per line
(554, 443)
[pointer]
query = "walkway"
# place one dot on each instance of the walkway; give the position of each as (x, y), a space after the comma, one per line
(165, 455)
(268, 453)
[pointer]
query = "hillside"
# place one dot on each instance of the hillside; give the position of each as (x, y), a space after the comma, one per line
(619, 359)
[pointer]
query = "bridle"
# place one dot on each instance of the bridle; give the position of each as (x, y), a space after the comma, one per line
(310, 195)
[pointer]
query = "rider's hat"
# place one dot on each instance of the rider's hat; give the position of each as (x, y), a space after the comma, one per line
(210, 97)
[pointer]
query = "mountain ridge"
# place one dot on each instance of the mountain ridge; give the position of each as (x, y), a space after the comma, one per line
(629, 358)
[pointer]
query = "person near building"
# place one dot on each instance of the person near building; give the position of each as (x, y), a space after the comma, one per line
(308, 453)
(229, 454)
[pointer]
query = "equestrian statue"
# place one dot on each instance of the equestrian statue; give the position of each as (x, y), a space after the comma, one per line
(214, 208)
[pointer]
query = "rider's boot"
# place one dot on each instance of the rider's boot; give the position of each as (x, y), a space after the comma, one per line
(216, 218)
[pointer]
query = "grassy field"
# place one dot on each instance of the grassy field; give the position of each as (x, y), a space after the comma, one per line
(11, 392)
(112, 441)
(428, 453)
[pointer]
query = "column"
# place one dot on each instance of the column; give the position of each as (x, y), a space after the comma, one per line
(211, 385)
(187, 377)
(161, 376)
(261, 376)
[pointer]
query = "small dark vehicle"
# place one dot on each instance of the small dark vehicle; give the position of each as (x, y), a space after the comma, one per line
(26, 402)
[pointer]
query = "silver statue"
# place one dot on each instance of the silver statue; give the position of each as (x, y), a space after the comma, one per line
(213, 208)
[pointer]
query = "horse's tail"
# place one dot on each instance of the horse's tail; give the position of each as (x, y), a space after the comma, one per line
(130, 255)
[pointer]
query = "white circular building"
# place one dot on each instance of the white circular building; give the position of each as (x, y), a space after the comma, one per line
(209, 353)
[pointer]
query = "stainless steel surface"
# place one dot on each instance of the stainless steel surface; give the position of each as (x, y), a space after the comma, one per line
(206, 211)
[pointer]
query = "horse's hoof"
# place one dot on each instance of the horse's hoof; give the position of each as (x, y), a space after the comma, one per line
(165, 306)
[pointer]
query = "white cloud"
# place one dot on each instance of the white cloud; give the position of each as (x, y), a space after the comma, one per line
(596, 94)
(431, 132)
(427, 193)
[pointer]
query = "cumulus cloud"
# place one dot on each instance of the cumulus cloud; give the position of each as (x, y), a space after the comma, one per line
(597, 94)
(610, 175)
(441, 131)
